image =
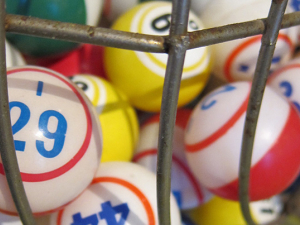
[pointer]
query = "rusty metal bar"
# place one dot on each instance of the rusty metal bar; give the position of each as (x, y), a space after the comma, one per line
(7, 149)
(176, 45)
(177, 49)
(140, 42)
(238, 30)
(264, 60)
(83, 33)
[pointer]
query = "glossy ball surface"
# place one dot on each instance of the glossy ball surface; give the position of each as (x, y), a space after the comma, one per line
(9, 220)
(121, 193)
(72, 11)
(13, 56)
(57, 137)
(214, 137)
(112, 9)
(236, 60)
(86, 59)
(286, 81)
(188, 191)
(295, 5)
(118, 118)
(140, 75)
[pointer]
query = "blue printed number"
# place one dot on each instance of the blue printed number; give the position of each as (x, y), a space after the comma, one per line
(58, 136)
(288, 90)
(209, 102)
(20, 123)
(296, 4)
(89, 220)
(109, 213)
(178, 197)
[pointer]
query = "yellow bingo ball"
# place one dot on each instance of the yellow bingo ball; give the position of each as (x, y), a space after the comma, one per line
(140, 75)
(226, 212)
(117, 117)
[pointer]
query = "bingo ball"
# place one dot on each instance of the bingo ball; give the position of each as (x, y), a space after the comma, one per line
(198, 6)
(13, 56)
(85, 12)
(226, 212)
(223, 7)
(236, 60)
(112, 9)
(213, 142)
(188, 191)
(57, 138)
(84, 59)
(118, 119)
(286, 81)
(295, 5)
(9, 220)
(140, 75)
(121, 193)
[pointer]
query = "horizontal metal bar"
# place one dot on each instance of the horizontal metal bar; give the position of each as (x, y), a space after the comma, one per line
(83, 33)
(238, 30)
(133, 41)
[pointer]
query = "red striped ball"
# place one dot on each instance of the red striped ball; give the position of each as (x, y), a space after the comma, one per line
(214, 136)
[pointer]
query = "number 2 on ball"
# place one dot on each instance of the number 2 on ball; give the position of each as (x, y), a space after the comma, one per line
(58, 135)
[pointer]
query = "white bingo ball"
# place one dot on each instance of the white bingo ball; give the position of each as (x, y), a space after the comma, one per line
(9, 220)
(188, 191)
(295, 5)
(121, 193)
(13, 56)
(267, 210)
(286, 81)
(93, 11)
(213, 141)
(199, 6)
(236, 60)
(57, 137)
(15, 220)
(223, 8)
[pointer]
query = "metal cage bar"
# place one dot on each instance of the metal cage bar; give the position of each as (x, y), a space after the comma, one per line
(7, 150)
(177, 49)
(132, 41)
(178, 40)
(268, 42)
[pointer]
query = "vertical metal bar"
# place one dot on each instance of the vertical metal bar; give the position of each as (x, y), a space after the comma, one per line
(178, 42)
(7, 148)
(268, 43)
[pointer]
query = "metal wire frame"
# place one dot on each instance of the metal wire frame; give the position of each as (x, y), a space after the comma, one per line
(175, 45)
(7, 151)
(264, 61)
(177, 49)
